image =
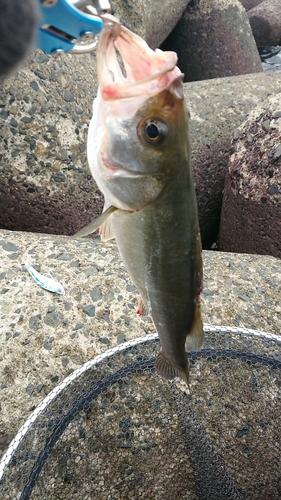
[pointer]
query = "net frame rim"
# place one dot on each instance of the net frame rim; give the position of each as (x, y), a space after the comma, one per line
(7, 457)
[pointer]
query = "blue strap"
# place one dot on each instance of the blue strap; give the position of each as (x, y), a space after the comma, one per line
(71, 23)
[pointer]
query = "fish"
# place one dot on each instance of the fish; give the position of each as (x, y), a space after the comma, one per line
(47, 282)
(139, 154)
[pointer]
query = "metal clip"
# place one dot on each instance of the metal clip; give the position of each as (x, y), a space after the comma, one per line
(64, 22)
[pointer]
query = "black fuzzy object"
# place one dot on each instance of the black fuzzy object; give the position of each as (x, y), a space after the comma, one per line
(18, 22)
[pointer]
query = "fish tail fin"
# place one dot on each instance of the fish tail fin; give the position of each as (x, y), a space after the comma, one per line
(167, 370)
(194, 339)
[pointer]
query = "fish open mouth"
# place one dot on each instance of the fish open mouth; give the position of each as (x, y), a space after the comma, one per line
(143, 71)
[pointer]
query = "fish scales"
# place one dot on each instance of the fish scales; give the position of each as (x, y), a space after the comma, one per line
(161, 262)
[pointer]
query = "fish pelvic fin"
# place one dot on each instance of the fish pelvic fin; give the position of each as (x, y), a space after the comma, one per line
(167, 370)
(106, 231)
(195, 337)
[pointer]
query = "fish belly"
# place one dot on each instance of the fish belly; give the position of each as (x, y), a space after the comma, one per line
(158, 246)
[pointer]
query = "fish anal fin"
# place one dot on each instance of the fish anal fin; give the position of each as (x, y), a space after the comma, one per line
(195, 337)
(167, 370)
(142, 308)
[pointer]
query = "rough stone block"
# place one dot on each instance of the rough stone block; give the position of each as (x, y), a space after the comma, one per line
(214, 39)
(153, 21)
(250, 4)
(251, 213)
(265, 21)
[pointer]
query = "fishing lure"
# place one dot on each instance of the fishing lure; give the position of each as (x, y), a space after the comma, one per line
(46, 282)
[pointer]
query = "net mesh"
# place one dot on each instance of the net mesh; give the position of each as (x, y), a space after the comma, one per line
(115, 430)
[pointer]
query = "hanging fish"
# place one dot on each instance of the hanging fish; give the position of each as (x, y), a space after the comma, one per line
(47, 282)
(139, 155)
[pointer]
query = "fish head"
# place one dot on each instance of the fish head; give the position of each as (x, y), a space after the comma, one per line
(138, 133)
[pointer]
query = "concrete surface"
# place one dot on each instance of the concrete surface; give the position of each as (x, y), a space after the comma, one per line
(43, 336)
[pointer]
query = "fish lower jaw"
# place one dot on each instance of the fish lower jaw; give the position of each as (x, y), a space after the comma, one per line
(118, 171)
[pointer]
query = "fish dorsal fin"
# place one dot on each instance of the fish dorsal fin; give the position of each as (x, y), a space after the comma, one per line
(194, 339)
(95, 224)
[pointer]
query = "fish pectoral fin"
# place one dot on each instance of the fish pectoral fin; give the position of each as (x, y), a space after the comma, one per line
(95, 224)
(195, 337)
(167, 370)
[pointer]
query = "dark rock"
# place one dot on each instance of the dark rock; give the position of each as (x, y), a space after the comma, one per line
(32, 110)
(53, 76)
(75, 263)
(121, 338)
(26, 119)
(273, 189)
(34, 85)
(68, 96)
(53, 319)
(5, 440)
(32, 145)
(15, 152)
(82, 147)
(40, 75)
(214, 39)
(96, 294)
(9, 247)
(58, 177)
(47, 346)
(34, 322)
(65, 257)
(90, 310)
(78, 326)
(41, 58)
(105, 340)
(30, 389)
(4, 113)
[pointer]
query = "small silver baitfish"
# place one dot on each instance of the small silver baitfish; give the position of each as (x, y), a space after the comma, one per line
(46, 282)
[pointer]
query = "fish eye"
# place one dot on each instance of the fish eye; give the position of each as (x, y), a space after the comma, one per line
(154, 130)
